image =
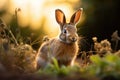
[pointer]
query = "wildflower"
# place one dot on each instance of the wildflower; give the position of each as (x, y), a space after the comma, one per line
(105, 43)
(17, 10)
(97, 45)
(115, 36)
(94, 39)
(102, 47)
(116, 39)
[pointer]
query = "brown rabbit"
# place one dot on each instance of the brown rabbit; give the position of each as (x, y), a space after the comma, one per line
(64, 48)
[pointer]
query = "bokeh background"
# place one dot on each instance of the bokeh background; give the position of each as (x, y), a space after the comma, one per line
(37, 17)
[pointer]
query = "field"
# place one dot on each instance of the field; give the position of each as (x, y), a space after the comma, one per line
(17, 59)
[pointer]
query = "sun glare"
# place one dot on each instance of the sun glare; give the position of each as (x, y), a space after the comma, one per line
(34, 11)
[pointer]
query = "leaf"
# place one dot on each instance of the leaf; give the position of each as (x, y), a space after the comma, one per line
(56, 65)
(95, 59)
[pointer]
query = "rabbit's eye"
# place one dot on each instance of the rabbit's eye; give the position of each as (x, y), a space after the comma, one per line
(64, 31)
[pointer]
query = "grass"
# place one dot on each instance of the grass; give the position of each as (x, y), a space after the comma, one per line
(102, 68)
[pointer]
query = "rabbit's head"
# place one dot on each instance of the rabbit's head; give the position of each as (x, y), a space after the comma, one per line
(68, 30)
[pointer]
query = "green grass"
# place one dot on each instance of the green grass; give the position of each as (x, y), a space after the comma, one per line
(108, 66)
(55, 69)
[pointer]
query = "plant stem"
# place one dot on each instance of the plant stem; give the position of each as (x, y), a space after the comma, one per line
(12, 36)
(116, 44)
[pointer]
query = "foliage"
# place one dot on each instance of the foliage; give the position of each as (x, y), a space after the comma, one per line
(105, 67)
(58, 70)
(18, 58)
(15, 55)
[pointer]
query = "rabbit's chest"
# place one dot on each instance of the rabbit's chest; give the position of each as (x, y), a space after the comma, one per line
(64, 52)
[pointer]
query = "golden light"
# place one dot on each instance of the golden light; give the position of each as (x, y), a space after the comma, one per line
(33, 12)
(36, 7)
(24, 15)
(2, 3)
(51, 26)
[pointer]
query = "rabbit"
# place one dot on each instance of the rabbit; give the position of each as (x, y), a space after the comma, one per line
(63, 48)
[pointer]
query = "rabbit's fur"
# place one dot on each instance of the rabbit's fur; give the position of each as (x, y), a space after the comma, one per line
(64, 48)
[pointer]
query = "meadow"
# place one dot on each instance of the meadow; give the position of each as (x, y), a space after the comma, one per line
(17, 58)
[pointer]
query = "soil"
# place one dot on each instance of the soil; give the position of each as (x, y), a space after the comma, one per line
(13, 76)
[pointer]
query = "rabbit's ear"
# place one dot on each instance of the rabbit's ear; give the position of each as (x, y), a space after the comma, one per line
(60, 17)
(76, 16)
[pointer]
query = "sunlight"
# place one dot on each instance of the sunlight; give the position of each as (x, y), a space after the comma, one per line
(51, 26)
(2, 3)
(33, 12)
(24, 15)
(36, 8)
(30, 12)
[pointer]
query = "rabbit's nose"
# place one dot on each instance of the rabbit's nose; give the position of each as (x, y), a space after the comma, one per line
(74, 39)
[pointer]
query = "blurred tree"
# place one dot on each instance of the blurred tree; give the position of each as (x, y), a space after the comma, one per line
(101, 18)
